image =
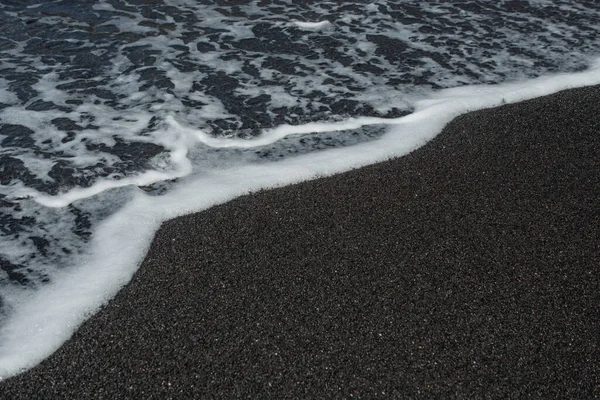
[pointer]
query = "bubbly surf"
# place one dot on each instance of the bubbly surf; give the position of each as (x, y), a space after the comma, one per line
(117, 116)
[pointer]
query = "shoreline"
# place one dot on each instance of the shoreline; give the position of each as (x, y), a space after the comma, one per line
(467, 268)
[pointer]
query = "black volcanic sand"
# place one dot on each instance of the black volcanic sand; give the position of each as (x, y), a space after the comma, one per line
(467, 269)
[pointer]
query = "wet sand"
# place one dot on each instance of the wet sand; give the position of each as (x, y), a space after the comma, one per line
(469, 268)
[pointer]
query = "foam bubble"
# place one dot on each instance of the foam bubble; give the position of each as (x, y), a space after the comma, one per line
(312, 26)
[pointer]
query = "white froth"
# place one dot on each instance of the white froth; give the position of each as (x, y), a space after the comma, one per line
(273, 135)
(6, 96)
(46, 87)
(313, 26)
(119, 245)
(130, 23)
(178, 165)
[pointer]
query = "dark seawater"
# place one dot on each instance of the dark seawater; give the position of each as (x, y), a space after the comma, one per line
(95, 95)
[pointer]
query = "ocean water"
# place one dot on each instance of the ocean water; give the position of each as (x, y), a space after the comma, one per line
(116, 115)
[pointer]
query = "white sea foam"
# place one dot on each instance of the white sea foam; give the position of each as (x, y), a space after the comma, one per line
(176, 141)
(271, 136)
(49, 316)
(313, 26)
(6, 96)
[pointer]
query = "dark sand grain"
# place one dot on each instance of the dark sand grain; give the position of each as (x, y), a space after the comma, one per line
(467, 269)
